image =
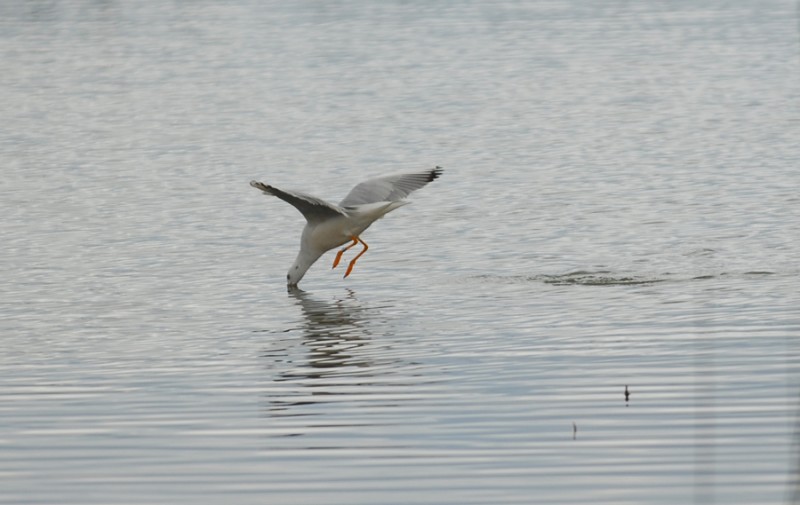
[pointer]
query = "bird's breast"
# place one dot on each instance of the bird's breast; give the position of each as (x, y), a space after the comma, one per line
(329, 234)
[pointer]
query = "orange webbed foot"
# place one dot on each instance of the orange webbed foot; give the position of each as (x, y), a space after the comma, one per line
(342, 251)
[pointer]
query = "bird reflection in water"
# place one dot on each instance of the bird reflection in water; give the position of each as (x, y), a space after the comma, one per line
(333, 333)
(342, 367)
(332, 358)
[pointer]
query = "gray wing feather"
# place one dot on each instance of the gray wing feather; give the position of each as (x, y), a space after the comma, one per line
(314, 209)
(390, 188)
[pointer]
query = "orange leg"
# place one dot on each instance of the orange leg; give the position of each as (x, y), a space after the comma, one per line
(353, 261)
(341, 251)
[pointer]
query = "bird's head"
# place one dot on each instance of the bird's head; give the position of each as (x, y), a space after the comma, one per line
(294, 276)
(305, 258)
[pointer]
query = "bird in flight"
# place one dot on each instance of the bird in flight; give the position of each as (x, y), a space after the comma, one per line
(330, 225)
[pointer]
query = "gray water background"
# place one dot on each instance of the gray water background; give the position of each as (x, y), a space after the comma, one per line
(619, 207)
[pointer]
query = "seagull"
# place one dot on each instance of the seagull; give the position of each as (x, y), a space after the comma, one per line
(330, 225)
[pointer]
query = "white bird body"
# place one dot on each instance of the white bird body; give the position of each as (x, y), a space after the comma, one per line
(329, 226)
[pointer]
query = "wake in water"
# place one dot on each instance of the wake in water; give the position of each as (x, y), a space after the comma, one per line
(598, 278)
(610, 278)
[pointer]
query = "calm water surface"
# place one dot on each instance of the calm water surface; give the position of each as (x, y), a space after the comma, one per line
(619, 208)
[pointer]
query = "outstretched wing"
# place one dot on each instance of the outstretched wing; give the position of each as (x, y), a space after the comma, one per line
(314, 209)
(390, 188)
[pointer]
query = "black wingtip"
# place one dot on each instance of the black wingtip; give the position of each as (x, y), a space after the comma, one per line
(260, 185)
(435, 173)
